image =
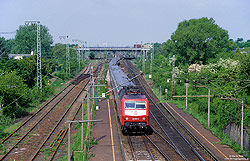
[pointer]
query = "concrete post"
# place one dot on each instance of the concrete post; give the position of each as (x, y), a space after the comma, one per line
(143, 62)
(186, 96)
(173, 73)
(82, 136)
(208, 112)
(242, 119)
(69, 143)
(88, 105)
(160, 93)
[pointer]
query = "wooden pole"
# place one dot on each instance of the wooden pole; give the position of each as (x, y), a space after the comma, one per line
(208, 113)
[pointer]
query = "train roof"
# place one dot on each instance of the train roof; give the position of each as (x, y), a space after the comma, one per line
(135, 97)
(120, 77)
(114, 61)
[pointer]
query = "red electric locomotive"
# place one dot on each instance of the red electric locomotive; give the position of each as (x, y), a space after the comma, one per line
(132, 106)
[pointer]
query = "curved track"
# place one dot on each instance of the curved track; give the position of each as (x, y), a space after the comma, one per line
(29, 130)
(166, 125)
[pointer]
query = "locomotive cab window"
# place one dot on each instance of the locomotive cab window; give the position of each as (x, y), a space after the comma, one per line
(135, 104)
(130, 104)
(140, 105)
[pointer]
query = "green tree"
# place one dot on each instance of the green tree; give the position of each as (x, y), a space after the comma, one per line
(26, 40)
(239, 40)
(27, 69)
(14, 94)
(4, 50)
(59, 50)
(198, 40)
(244, 66)
(92, 55)
(59, 60)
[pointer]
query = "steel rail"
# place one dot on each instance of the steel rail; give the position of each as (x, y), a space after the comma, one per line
(31, 129)
(162, 153)
(192, 148)
(34, 114)
(59, 134)
(213, 157)
(66, 131)
(172, 144)
(35, 123)
(148, 149)
(5, 139)
(191, 135)
(62, 117)
(132, 148)
(58, 145)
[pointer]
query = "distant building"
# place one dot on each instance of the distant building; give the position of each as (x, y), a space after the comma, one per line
(19, 56)
(148, 46)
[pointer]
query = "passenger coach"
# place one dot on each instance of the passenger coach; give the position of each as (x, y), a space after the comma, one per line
(132, 105)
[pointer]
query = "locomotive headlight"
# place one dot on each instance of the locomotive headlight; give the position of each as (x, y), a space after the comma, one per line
(126, 118)
(144, 118)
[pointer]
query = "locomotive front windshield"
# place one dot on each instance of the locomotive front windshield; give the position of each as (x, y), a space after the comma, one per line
(135, 105)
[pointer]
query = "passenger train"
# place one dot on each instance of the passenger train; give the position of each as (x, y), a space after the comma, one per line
(132, 105)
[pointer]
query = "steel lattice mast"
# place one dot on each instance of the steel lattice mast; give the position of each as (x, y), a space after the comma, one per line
(151, 64)
(67, 57)
(38, 53)
(62, 38)
(79, 51)
(39, 59)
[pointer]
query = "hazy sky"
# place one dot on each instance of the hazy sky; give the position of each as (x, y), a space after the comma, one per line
(123, 22)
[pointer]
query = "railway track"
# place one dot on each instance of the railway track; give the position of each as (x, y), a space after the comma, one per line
(29, 130)
(60, 122)
(151, 147)
(58, 97)
(139, 148)
(166, 125)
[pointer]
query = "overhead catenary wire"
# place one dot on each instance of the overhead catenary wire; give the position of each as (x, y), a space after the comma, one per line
(225, 96)
(123, 83)
(237, 90)
(217, 86)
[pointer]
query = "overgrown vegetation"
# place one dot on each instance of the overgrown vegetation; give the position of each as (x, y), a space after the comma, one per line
(18, 77)
(204, 56)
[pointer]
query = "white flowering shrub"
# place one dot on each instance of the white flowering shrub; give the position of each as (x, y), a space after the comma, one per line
(222, 63)
(195, 67)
